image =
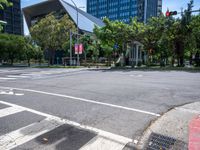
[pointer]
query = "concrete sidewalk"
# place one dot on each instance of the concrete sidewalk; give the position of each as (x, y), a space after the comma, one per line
(171, 130)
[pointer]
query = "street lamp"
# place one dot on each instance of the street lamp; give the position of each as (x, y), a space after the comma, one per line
(78, 61)
(3, 22)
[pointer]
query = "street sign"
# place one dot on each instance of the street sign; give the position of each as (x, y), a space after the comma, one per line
(3, 22)
(78, 48)
(115, 46)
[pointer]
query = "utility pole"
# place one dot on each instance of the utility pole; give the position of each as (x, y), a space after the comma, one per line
(145, 11)
(70, 32)
(3, 23)
(77, 40)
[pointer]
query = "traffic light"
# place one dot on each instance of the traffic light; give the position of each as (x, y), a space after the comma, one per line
(173, 13)
(167, 13)
(170, 13)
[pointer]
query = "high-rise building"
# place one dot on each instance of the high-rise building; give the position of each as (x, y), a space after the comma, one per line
(123, 10)
(84, 21)
(13, 16)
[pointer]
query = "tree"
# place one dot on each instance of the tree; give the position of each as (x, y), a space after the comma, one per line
(194, 45)
(164, 38)
(108, 52)
(113, 33)
(32, 51)
(12, 46)
(51, 33)
(4, 3)
(152, 34)
(93, 49)
(86, 40)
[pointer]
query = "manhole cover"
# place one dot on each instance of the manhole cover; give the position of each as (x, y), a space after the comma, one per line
(161, 142)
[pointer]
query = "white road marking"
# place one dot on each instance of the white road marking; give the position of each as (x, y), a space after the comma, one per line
(102, 143)
(9, 111)
(139, 75)
(25, 134)
(6, 93)
(19, 137)
(86, 100)
(19, 94)
(1, 78)
(15, 76)
(10, 93)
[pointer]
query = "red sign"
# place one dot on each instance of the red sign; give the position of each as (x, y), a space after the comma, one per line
(78, 48)
(194, 134)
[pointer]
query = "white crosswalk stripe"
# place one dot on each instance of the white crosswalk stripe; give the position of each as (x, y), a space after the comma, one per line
(5, 78)
(25, 134)
(17, 76)
(103, 141)
(9, 111)
(36, 74)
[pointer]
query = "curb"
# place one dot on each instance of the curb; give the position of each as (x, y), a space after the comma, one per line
(171, 130)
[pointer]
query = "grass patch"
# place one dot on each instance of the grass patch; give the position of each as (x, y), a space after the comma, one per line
(156, 68)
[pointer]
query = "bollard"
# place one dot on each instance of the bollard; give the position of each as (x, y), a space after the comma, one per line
(194, 134)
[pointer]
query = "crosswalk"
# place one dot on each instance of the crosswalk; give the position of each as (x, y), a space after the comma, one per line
(10, 75)
(20, 138)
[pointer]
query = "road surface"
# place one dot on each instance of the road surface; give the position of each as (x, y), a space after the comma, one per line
(86, 109)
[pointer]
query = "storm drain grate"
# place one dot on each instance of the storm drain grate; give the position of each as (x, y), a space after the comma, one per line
(161, 142)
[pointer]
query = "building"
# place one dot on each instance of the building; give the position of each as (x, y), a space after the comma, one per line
(86, 22)
(123, 10)
(13, 16)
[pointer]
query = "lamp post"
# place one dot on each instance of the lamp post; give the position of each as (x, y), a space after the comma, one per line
(3, 22)
(77, 40)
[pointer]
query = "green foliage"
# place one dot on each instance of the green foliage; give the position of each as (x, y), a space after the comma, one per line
(15, 47)
(12, 46)
(4, 3)
(165, 39)
(51, 33)
(32, 51)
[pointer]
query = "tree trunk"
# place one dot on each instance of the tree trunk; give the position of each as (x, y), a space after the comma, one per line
(12, 61)
(49, 58)
(85, 55)
(52, 57)
(182, 61)
(190, 59)
(180, 53)
(29, 63)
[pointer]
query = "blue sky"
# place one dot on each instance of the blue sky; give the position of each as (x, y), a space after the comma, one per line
(171, 4)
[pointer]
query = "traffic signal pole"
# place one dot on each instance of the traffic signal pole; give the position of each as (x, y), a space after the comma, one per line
(172, 13)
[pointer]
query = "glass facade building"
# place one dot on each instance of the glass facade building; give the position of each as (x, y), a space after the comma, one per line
(13, 17)
(123, 10)
(34, 13)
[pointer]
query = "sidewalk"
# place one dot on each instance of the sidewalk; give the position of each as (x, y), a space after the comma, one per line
(172, 129)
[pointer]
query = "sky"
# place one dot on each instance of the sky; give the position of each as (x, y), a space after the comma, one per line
(172, 5)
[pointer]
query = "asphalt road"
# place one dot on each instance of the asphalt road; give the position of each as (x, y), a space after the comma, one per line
(99, 103)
